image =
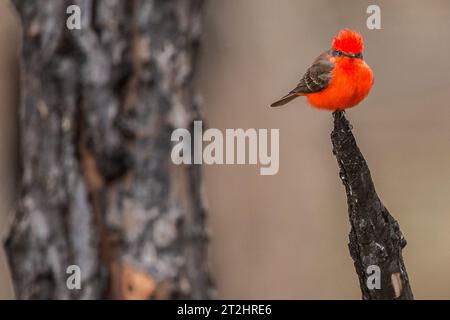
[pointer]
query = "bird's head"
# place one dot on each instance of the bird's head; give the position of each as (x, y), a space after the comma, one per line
(349, 44)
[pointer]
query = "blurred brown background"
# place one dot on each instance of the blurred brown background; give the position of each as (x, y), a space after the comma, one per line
(285, 236)
(9, 39)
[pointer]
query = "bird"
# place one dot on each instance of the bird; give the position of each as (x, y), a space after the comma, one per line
(338, 79)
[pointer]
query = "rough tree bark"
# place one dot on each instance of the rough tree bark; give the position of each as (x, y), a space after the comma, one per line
(375, 236)
(98, 187)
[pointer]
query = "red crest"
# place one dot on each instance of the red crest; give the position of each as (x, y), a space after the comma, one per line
(348, 41)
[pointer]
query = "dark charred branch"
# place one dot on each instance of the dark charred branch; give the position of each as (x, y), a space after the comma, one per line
(98, 188)
(375, 236)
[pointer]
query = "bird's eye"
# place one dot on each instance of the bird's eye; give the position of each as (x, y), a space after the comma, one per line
(337, 53)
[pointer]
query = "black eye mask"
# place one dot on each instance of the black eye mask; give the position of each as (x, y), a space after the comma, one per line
(336, 53)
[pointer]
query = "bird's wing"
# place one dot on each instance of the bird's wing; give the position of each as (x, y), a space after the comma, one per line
(315, 79)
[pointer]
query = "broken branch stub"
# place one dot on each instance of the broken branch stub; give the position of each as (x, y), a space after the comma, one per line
(376, 241)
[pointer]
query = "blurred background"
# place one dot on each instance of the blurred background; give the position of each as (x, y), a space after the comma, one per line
(285, 236)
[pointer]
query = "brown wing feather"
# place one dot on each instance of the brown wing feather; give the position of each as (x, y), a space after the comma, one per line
(315, 79)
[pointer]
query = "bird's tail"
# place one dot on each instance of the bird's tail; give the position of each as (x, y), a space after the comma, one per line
(287, 98)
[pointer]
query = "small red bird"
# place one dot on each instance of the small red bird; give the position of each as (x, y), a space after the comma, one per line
(338, 79)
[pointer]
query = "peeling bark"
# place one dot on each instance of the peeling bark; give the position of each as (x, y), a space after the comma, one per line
(98, 186)
(375, 236)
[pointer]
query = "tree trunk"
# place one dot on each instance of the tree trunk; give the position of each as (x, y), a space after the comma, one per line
(375, 236)
(98, 187)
